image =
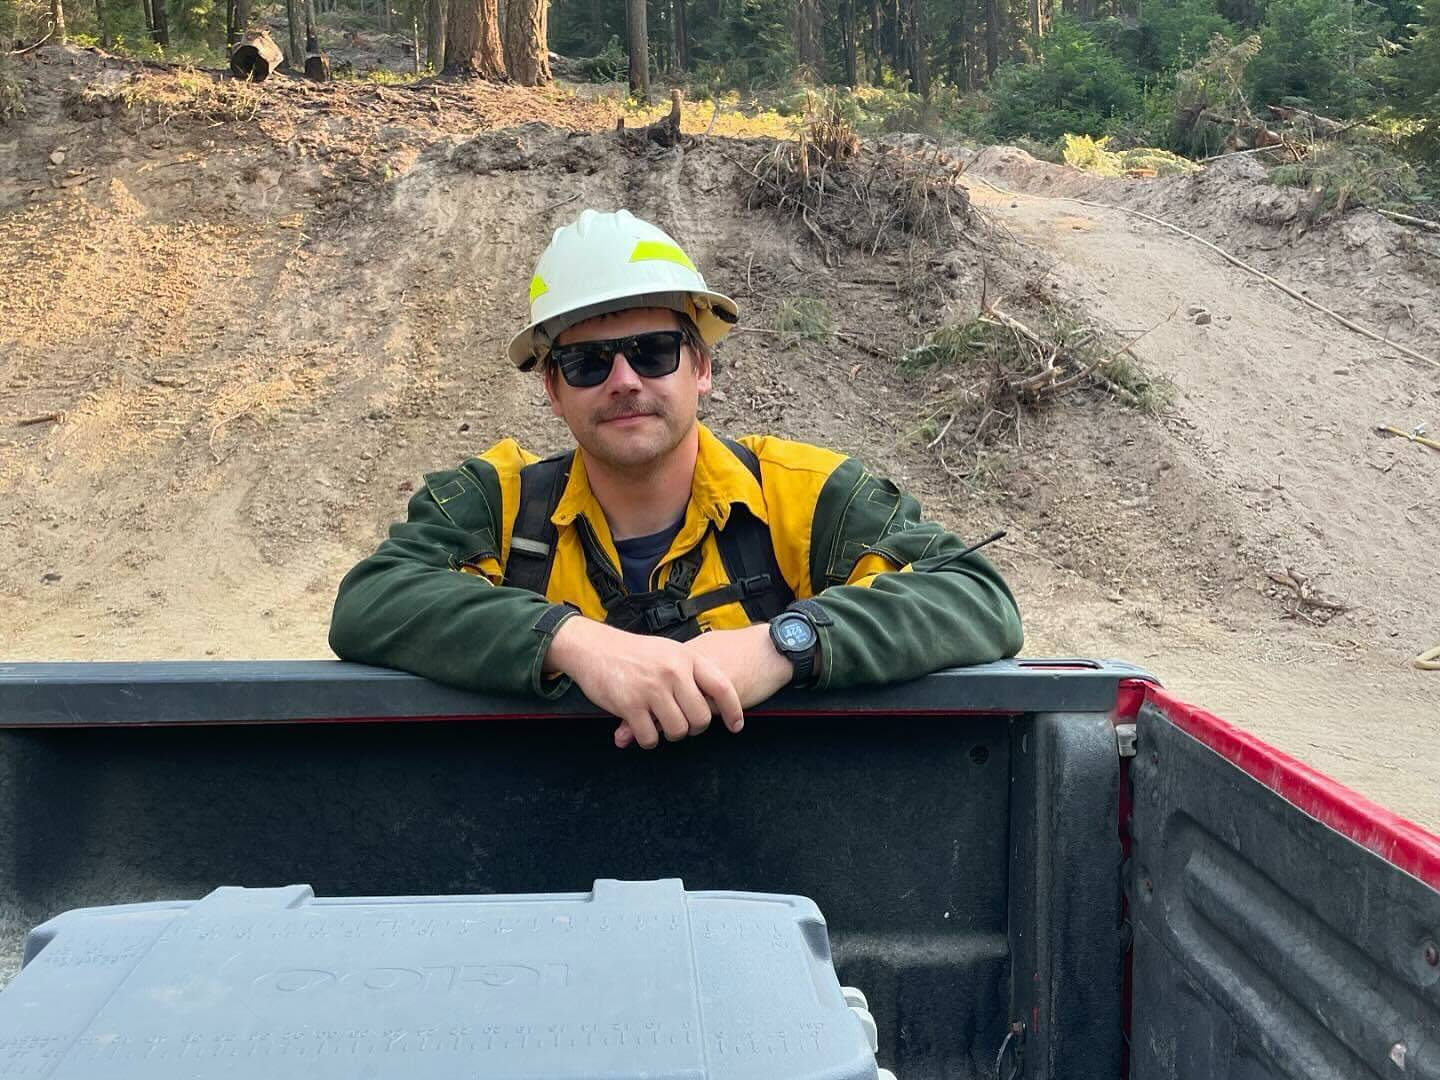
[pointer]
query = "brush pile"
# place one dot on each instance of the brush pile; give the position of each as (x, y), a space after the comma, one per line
(852, 195)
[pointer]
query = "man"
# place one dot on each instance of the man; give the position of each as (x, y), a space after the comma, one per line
(668, 573)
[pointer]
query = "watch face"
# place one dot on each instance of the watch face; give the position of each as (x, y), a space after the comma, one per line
(795, 633)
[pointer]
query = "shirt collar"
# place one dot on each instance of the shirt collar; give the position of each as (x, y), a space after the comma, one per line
(721, 480)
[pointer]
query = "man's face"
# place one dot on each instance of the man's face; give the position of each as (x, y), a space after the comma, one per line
(629, 421)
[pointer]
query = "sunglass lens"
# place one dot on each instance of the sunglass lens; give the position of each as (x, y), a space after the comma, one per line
(655, 355)
(585, 365)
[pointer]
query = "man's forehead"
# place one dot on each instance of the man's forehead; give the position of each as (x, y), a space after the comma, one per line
(616, 323)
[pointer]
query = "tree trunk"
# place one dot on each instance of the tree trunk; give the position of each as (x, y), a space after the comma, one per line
(876, 49)
(598, 37)
(682, 38)
(243, 16)
(637, 40)
(919, 62)
(57, 20)
(435, 34)
(295, 55)
(955, 45)
(527, 55)
(472, 41)
(317, 65)
(312, 33)
(992, 37)
(897, 31)
(848, 43)
(100, 24)
(1037, 18)
(149, 18)
(805, 28)
(162, 23)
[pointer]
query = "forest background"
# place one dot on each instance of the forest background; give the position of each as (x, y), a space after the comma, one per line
(1078, 79)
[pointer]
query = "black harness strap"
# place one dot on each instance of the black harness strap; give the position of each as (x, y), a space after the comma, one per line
(532, 540)
(745, 549)
(748, 553)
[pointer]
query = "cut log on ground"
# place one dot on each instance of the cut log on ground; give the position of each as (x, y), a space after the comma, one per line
(255, 57)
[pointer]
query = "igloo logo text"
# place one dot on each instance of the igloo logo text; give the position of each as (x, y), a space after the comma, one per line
(437, 979)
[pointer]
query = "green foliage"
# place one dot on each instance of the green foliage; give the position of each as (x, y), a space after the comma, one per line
(874, 110)
(1214, 86)
(1136, 387)
(1349, 174)
(1041, 151)
(610, 64)
(1075, 86)
(807, 316)
(959, 344)
(1168, 36)
(1217, 79)
(1322, 52)
(1419, 84)
(1096, 156)
(1149, 123)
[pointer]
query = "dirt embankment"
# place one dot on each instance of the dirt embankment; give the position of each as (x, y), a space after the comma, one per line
(262, 324)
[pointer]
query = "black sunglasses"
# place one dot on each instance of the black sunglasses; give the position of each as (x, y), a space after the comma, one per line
(588, 363)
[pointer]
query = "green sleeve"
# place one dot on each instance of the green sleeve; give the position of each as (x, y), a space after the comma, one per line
(945, 611)
(409, 605)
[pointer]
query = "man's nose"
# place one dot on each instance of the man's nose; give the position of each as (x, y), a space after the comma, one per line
(622, 375)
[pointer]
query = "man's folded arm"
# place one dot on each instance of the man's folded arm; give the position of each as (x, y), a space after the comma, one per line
(900, 598)
(426, 601)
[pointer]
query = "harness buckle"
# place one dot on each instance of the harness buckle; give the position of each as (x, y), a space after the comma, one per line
(754, 586)
(663, 615)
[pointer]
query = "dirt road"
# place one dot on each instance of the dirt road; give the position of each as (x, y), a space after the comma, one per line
(1277, 406)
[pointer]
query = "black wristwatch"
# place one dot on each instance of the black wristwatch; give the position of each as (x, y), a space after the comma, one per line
(795, 638)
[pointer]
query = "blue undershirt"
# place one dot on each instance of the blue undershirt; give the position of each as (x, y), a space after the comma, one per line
(640, 555)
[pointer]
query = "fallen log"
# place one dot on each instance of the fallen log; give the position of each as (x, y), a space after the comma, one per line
(1410, 219)
(1321, 125)
(255, 57)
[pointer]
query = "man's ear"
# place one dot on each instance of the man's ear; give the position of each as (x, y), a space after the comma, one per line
(551, 391)
(704, 373)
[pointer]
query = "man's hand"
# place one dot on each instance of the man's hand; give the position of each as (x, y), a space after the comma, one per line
(654, 685)
(746, 659)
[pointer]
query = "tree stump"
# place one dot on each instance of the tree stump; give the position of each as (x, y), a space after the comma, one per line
(256, 56)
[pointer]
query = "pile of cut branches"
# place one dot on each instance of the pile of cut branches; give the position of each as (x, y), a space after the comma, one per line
(852, 195)
(984, 375)
(169, 95)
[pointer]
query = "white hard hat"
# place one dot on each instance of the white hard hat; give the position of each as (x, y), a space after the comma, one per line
(608, 262)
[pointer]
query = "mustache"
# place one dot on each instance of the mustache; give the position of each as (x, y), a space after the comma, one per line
(630, 408)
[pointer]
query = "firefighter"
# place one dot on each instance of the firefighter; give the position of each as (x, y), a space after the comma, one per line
(668, 572)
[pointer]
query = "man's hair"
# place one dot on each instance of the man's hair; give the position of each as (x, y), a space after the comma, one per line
(688, 328)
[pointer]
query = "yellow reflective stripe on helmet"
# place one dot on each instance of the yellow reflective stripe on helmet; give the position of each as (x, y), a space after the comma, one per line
(537, 287)
(655, 250)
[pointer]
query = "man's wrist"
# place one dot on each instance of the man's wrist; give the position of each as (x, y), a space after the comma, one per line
(794, 636)
(567, 643)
